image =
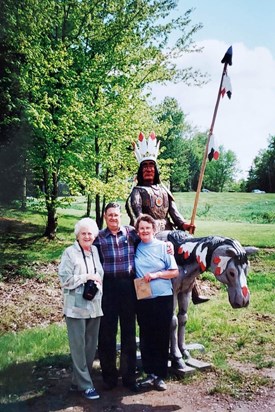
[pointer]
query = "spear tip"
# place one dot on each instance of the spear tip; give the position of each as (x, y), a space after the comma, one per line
(228, 56)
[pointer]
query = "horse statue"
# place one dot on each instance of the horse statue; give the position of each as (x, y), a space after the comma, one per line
(225, 258)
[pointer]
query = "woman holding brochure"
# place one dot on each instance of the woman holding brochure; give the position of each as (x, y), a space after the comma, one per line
(154, 309)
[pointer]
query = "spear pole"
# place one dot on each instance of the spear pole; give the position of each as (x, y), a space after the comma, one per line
(227, 59)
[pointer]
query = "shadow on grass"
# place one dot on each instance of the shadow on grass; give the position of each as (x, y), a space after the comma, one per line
(44, 386)
(20, 241)
(14, 232)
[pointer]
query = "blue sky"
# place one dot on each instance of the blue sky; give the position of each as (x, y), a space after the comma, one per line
(247, 21)
(245, 122)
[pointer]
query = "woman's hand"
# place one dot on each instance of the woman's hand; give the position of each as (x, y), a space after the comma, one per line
(164, 274)
(94, 276)
(151, 276)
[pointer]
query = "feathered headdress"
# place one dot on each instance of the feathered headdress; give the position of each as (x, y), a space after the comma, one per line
(146, 149)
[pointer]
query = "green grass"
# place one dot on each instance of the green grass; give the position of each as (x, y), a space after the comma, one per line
(246, 233)
(226, 214)
(238, 207)
(244, 334)
(33, 345)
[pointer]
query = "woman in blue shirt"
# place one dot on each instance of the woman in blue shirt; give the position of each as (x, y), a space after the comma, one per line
(154, 314)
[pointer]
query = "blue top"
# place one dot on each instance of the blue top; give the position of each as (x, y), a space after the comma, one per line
(153, 257)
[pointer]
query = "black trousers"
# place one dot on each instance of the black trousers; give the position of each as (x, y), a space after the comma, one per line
(118, 305)
(154, 319)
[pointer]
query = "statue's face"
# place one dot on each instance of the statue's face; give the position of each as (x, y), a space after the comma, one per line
(148, 171)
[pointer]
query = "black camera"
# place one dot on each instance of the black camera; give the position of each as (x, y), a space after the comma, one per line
(90, 290)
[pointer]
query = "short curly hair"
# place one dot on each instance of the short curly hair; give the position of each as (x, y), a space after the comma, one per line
(145, 218)
(86, 222)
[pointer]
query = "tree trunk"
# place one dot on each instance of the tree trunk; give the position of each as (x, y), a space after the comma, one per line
(98, 212)
(89, 204)
(24, 193)
(50, 231)
(51, 190)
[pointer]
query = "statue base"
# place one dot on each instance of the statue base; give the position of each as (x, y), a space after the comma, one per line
(198, 364)
(184, 371)
(195, 363)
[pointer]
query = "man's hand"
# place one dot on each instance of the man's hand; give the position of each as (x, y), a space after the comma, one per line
(170, 248)
(189, 228)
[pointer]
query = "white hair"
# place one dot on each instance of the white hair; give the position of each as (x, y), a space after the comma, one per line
(86, 222)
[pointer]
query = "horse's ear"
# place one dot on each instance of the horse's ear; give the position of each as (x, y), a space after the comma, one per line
(251, 250)
(231, 253)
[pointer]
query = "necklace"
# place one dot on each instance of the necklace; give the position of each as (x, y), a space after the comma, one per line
(156, 192)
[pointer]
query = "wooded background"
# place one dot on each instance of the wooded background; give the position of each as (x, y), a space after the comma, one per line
(75, 91)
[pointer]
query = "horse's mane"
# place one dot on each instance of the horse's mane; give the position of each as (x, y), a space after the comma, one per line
(178, 237)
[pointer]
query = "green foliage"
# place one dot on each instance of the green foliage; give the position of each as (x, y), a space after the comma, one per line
(173, 156)
(220, 174)
(262, 173)
(84, 74)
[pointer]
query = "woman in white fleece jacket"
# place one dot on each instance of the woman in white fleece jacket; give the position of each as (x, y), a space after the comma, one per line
(79, 263)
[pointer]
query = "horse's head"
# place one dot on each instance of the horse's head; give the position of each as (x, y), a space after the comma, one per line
(229, 264)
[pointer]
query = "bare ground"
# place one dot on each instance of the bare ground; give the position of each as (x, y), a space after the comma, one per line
(32, 388)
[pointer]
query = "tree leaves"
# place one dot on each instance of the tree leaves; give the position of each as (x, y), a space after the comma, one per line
(83, 75)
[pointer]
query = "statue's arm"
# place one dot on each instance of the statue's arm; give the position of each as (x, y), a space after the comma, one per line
(136, 202)
(175, 215)
(178, 219)
(134, 206)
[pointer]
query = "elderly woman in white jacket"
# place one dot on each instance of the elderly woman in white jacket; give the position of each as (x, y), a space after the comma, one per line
(79, 263)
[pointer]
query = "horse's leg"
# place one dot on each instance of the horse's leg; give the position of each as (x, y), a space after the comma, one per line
(183, 302)
(176, 356)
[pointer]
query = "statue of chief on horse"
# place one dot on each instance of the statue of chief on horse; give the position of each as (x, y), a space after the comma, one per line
(222, 256)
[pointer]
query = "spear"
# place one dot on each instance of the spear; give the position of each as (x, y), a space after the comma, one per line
(227, 60)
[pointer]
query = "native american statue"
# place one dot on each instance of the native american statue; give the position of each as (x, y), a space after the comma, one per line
(222, 256)
(151, 197)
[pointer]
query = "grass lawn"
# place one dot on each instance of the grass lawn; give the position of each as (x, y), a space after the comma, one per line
(247, 217)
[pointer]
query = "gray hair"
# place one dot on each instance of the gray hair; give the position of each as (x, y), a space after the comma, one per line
(86, 222)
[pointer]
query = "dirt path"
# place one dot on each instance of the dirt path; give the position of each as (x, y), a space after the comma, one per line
(47, 391)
